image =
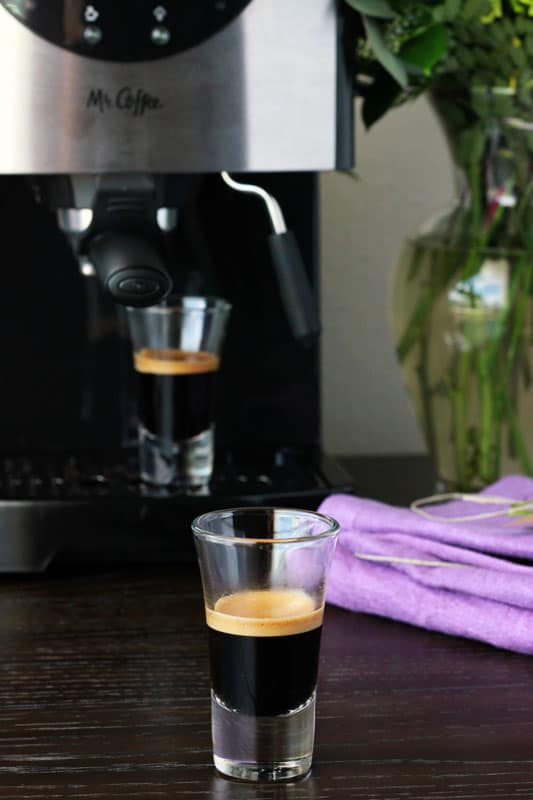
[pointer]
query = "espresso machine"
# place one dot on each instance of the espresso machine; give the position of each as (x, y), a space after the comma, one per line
(146, 146)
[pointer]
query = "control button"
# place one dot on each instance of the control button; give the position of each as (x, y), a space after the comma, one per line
(160, 13)
(91, 14)
(151, 30)
(160, 36)
(138, 286)
(92, 34)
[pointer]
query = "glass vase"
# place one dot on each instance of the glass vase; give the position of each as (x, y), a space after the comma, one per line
(463, 297)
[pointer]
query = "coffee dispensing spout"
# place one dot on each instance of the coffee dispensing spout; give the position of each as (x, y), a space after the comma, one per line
(117, 226)
(130, 268)
(295, 288)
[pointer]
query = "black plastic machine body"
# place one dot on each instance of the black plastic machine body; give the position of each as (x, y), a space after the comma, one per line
(134, 137)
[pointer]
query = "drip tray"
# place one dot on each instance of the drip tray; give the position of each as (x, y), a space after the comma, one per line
(91, 508)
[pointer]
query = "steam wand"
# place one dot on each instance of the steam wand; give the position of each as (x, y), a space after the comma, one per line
(296, 293)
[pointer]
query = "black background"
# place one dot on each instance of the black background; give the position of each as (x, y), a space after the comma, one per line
(62, 388)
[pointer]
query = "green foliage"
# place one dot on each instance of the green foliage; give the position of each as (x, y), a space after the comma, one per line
(476, 59)
(386, 58)
(404, 47)
(426, 49)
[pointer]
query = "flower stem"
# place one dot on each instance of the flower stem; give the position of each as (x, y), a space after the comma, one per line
(459, 395)
(426, 394)
(518, 440)
(488, 425)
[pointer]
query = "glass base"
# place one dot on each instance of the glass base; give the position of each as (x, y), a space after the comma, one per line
(269, 749)
(186, 464)
(286, 771)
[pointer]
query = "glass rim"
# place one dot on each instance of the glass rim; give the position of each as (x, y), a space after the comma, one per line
(213, 305)
(196, 525)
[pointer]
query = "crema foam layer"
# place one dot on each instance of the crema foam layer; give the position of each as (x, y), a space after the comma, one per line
(267, 612)
(171, 361)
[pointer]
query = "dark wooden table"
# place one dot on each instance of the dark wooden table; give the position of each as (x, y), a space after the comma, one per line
(104, 695)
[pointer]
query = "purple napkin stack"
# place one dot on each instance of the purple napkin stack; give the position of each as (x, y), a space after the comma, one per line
(490, 598)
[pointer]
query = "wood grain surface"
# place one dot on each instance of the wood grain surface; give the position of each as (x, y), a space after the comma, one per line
(104, 694)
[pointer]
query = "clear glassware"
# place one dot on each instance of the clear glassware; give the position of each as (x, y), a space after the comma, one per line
(463, 297)
(264, 573)
(176, 352)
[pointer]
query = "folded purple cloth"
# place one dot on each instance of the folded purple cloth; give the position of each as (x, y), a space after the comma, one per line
(488, 598)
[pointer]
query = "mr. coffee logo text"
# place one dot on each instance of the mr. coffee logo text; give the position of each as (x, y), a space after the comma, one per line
(135, 102)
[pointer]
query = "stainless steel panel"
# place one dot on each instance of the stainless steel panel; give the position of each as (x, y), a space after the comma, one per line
(259, 95)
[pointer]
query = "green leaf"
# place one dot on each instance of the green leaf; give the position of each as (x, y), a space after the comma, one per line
(465, 57)
(451, 8)
(489, 103)
(384, 93)
(372, 8)
(508, 27)
(474, 9)
(426, 49)
(388, 60)
(482, 59)
(470, 145)
(498, 34)
(519, 56)
(523, 25)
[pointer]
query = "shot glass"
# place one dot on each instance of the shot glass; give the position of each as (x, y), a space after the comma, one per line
(264, 573)
(176, 353)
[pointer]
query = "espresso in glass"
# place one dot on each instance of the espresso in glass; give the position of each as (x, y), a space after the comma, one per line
(176, 350)
(264, 647)
(264, 574)
(176, 392)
